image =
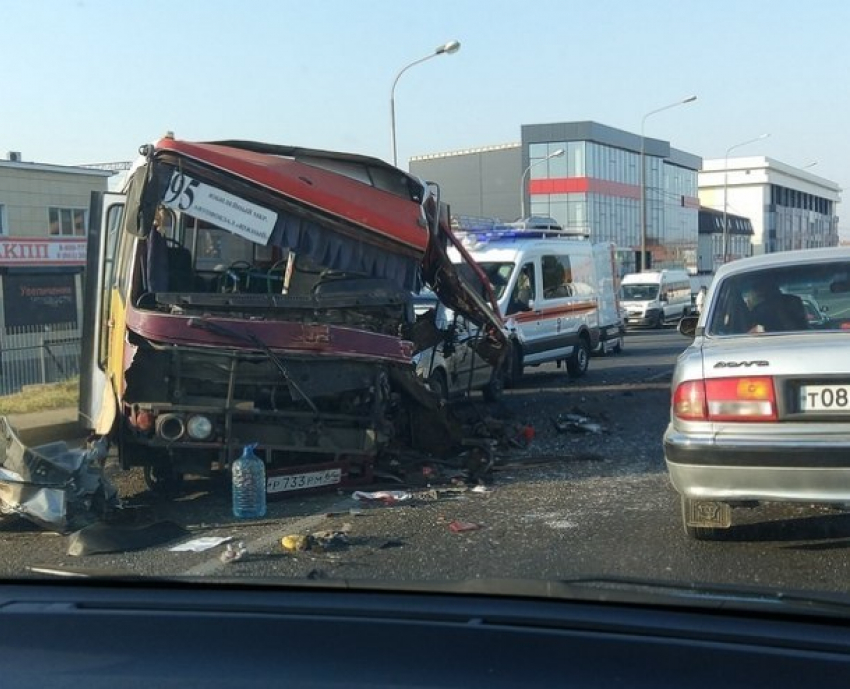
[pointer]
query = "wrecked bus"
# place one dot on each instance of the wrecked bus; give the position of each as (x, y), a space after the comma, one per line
(240, 292)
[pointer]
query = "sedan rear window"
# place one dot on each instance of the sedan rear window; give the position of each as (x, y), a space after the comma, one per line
(790, 299)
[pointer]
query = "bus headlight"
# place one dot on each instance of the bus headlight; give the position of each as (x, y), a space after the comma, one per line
(199, 427)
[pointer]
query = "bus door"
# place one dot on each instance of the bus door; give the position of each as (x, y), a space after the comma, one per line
(106, 211)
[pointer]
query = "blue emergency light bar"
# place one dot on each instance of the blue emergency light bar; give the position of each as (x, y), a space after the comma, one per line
(503, 234)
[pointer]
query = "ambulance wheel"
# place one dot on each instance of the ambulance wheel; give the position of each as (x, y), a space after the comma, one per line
(579, 360)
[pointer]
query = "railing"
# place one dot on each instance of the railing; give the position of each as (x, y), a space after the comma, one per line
(40, 354)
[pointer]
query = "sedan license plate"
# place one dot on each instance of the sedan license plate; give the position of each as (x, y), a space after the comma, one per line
(311, 479)
(814, 398)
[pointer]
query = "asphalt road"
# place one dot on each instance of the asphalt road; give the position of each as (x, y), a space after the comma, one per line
(571, 504)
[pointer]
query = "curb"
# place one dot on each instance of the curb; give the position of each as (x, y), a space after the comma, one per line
(42, 435)
(50, 426)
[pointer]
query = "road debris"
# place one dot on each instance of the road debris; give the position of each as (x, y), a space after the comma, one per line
(576, 423)
(328, 541)
(319, 541)
(101, 537)
(392, 543)
(462, 527)
(294, 542)
(387, 497)
(199, 545)
(353, 512)
(58, 488)
(234, 552)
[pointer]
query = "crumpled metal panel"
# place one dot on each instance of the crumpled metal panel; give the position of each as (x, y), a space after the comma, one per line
(58, 488)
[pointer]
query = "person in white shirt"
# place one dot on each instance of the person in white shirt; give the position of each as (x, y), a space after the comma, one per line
(700, 301)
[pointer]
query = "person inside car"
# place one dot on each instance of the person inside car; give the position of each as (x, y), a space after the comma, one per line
(523, 292)
(774, 311)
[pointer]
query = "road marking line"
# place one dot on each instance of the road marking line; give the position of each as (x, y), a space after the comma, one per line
(305, 524)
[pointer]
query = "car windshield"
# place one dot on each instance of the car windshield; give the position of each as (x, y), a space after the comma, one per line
(364, 293)
(498, 273)
(639, 292)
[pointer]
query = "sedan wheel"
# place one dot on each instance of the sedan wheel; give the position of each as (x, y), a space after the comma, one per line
(494, 390)
(439, 385)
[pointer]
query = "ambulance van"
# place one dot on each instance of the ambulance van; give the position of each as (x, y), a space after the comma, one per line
(547, 287)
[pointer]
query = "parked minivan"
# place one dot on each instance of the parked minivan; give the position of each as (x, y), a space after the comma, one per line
(547, 288)
(655, 298)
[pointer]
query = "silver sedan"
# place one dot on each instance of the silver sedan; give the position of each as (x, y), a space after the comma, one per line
(760, 408)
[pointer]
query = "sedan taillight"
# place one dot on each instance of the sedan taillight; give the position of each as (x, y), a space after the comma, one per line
(689, 401)
(726, 399)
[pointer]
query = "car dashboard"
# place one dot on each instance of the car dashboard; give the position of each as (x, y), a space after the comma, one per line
(80, 634)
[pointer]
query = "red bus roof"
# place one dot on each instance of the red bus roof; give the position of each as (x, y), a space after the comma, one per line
(358, 189)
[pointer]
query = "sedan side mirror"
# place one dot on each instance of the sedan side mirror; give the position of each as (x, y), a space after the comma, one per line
(688, 326)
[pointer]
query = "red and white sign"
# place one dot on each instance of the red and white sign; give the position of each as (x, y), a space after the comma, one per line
(42, 252)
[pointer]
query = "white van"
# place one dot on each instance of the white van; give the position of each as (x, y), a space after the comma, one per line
(655, 298)
(547, 291)
(452, 367)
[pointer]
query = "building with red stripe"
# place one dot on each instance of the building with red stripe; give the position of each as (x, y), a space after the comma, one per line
(592, 189)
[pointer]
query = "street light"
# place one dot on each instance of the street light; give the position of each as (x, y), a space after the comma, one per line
(446, 49)
(689, 99)
(555, 154)
(726, 189)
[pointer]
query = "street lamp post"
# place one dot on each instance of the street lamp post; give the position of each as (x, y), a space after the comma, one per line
(554, 154)
(445, 49)
(689, 99)
(726, 189)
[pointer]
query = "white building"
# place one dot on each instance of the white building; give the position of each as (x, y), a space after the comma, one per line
(789, 207)
(44, 222)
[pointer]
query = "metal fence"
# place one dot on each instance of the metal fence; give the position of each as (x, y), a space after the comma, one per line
(38, 354)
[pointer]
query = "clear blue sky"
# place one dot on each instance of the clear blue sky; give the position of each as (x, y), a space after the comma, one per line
(87, 81)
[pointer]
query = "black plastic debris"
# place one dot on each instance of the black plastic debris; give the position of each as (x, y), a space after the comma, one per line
(576, 423)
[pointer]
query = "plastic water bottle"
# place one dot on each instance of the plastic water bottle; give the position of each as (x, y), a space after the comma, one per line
(248, 477)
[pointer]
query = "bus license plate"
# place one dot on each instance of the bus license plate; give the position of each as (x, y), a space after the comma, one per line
(311, 479)
(824, 398)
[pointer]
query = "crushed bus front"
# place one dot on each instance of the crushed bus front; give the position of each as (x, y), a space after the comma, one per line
(249, 293)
